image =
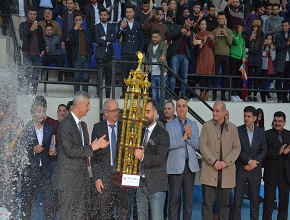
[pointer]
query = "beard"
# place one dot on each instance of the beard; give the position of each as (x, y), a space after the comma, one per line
(148, 122)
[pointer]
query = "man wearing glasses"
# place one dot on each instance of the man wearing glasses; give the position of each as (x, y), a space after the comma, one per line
(277, 168)
(104, 164)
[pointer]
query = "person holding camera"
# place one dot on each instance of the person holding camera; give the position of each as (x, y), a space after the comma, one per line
(223, 41)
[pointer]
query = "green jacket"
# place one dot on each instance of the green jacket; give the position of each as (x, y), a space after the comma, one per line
(161, 50)
(238, 48)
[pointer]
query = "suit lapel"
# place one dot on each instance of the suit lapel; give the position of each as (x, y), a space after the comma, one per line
(246, 138)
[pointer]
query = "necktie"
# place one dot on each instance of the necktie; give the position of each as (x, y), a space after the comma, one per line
(280, 137)
(81, 131)
(145, 140)
(113, 145)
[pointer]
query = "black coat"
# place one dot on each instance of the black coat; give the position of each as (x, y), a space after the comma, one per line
(281, 50)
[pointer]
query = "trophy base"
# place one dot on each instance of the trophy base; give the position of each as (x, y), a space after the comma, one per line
(126, 180)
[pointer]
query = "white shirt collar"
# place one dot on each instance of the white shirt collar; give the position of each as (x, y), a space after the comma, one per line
(75, 118)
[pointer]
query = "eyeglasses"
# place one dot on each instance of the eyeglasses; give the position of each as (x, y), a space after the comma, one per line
(113, 110)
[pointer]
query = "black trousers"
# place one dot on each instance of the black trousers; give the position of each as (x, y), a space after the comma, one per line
(176, 182)
(126, 67)
(252, 181)
(104, 67)
(270, 197)
(209, 194)
(237, 83)
(254, 83)
(221, 61)
(286, 83)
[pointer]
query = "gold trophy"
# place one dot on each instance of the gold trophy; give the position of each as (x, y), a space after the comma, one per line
(136, 97)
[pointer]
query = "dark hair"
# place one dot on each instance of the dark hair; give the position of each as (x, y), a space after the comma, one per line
(198, 24)
(221, 13)
(170, 13)
(259, 37)
(156, 32)
(236, 28)
(265, 39)
(159, 9)
(261, 6)
(38, 101)
(261, 123)
(103, 9)
(190, 17)
(280, 114)
(145, 1)
(153, 102)
(48, 25)
(269, 4)
(68, 105)
(130, 6)
(169, 102)
(164, 1)
(197, 3)
(32, 8)
(276, 4)
(77, 14)
(251, 109)
(211, 6)
(285, 21)
(61, 105)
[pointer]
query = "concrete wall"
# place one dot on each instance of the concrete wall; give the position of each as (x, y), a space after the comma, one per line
(4, 45)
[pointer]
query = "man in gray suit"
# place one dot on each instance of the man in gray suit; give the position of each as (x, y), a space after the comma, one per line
(72, 174)
(249, 164)
(182, 161)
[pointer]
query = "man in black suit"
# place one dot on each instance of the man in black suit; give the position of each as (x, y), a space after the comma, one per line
(277, 168)
(72, 175)
(91, 12)
(104, 37)
(152, 158)
(249, 164)
(132, 41)
(36, 177)
(104, 164)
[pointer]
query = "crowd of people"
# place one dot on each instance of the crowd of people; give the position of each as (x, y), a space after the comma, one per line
(220, 40)
(74, 175)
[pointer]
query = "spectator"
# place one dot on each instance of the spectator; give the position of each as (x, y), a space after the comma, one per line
(251, 17)
(42, 5)
(164, 5)
(282, 41)
(82, 49)
(104, 163)
(48, 20)
(173, 6)
(249, 164)
(276, 168)
(234, 14)
(260, 121)
(62, 8)
(157, 25)
(61, 112)
(141, 17)
(182, 13)
(204, 41)
(179, 50)
(285, 10)
(52, 50)
(269, 56)
(92, 15)
(104, 37)
(211, 20)
(132, 42)
(266, 15)
(220, 148)
(197, 13)
(223, 41)
(182, 163)
(237, 58)
(35, 139)
(18, 13)
(169, 22)
(156, 52)
(273, 24)
(219, 5)
(33, 49)
(67, 25)
(114, 9)
(151, 195)
(169, 115)
(255, 46)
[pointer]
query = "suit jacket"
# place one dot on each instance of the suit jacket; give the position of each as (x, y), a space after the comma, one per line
(257, 151)
(154, 161)
(273, 159)
(29, 140)
(281, 51)
(132, 40)
(176, 156)
(72, 155)
(64, 29)
(101, 161)
(89, 13)
(103, 44)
